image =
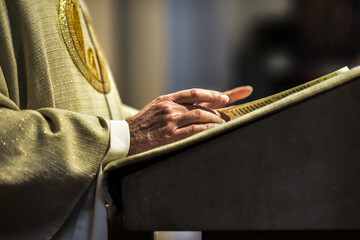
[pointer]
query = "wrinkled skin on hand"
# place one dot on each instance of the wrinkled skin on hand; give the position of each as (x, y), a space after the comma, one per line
(176, 116)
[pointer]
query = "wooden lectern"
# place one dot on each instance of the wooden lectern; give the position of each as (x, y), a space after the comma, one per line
(293, 174)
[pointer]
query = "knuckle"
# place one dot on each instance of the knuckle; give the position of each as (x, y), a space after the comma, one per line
(198, 113)
(194, 93)
(175, 117)
(164, 109)
(193, 129)
(210, 125)
(172, 128)
(161, 98)
(170, 131)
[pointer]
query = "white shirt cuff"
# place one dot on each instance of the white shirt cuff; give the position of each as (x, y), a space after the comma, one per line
(119, 139)
(119, 147)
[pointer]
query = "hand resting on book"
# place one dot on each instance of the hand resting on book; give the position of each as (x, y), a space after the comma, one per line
(175, 116)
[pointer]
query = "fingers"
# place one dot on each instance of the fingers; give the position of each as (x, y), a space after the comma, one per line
(198, 95)
(192, 107)
(234, 95)
(239, 93)
(198, 116)
(173, 117)
(193, 129)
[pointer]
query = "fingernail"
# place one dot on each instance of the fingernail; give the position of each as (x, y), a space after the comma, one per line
(224, 98)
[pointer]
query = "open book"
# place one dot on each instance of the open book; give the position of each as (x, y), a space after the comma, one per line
(244, 113)
(243, 109)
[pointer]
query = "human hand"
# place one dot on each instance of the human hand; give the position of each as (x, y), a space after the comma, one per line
(234, 95)
(172, 117)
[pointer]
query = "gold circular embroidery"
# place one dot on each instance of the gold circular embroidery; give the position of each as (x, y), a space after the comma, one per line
(80, 40)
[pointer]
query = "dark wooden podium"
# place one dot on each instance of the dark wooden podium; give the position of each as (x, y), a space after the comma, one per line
(294, 174)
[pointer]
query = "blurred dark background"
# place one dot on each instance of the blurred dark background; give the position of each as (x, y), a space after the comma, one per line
(161, 46)
(315, 38)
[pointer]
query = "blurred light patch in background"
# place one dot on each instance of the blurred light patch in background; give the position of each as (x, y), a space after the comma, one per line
(161, 46)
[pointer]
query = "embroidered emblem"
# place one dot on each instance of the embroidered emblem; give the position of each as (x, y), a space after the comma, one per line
(79, 36)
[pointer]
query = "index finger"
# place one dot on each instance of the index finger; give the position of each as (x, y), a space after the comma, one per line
(234, 95)
(198, 95)
(239, 93)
